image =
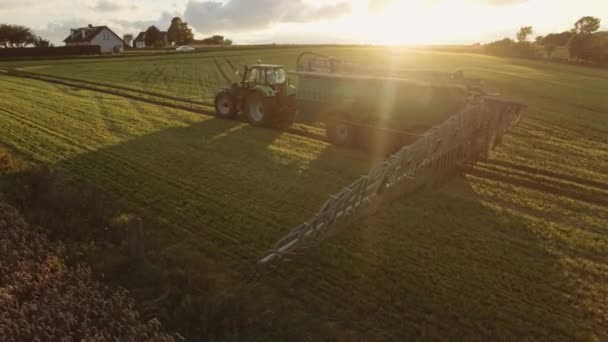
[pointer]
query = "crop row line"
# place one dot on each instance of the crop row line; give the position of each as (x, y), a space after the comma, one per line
(201, 107)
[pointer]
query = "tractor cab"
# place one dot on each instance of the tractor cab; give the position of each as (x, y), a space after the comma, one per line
(264, 74)
(264, 96)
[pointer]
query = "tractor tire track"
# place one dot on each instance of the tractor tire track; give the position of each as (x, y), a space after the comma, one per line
(86, 85)
(222, 72)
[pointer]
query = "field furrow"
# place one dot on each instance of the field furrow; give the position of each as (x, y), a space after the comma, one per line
(515, 248)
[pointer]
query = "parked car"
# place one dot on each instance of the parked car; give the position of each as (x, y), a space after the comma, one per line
(185, 49)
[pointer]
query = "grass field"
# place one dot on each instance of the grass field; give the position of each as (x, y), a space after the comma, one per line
(516, 248)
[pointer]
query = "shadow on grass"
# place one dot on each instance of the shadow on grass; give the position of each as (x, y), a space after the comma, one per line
(224, 187)
(214, 195)
(437, 265)
(442, 265)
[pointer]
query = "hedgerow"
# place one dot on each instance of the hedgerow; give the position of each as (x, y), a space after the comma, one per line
(42, 298)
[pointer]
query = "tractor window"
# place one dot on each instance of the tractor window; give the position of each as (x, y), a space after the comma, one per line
(255, 76)
(275, 76)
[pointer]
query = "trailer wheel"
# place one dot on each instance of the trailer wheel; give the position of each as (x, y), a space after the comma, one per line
(340, 133)
(225, 105)
(257, 114)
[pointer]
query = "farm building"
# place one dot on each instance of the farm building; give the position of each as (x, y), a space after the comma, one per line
(107, 40)
(140, 40)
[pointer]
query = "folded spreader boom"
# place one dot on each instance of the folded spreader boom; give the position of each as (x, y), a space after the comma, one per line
(460, 141)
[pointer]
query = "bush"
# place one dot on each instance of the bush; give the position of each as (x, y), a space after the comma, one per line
(51, 51)
(62, 203)
(179, 286)
(509, 48)
(588, 48)
(44, 299)
(9, 164)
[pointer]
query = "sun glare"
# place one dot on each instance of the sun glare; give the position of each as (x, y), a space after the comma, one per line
(397, 23)
(417, 23)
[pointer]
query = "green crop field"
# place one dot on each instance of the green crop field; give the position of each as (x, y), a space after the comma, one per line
(516, 248)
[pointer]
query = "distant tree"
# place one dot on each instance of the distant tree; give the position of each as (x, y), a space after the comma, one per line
(186, 35)
(539, 40)
(228, 42)
(174, 30)
(585, 47)
(40, 42)
(549, 49)
(179, 32)
(152, 36)
(554, 40)
(128, 39)
(587, 25)
(504, 47)
(523, 33)
(564, 38)
(557, 39)
(509, 48)
(214, 40)
(4, 34)
(16, 36)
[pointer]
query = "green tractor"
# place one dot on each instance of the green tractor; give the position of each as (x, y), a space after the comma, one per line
(264, 96)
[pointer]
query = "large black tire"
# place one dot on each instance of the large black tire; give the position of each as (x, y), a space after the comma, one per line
(341, 133)
(255, 110)
(225, 105)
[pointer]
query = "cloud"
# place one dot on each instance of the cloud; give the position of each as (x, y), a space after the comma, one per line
(134, 26)
(14, 4)
(378, 5)
(107, 6)
(56, 32)
(237, 15)
(504, 2)
(113, 6)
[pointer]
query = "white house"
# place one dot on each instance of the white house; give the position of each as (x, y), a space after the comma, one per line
(96, 35)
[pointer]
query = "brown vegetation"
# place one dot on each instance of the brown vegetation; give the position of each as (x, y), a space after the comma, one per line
(44, 299)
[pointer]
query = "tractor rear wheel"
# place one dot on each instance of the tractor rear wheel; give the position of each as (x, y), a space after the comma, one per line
(225, 105)
(257, 114)
(340, 133)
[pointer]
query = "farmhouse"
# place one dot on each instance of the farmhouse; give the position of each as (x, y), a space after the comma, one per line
(140, 40)
(96, 35)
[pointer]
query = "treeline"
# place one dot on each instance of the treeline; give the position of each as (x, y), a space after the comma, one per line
(45, 299)
(214, 40)
(178, 33)
(17, 36)
(583, 43)
(202, 303)
(79, 50)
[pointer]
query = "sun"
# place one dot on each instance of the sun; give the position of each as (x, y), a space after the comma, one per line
(409, 23)
(396, 23)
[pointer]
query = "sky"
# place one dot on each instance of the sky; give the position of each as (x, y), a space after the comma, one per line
(406, 22)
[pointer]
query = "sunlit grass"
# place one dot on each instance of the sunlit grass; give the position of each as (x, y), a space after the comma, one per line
(514, 249)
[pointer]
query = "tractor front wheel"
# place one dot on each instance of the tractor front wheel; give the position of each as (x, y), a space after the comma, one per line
(225, 105)
(257, 113)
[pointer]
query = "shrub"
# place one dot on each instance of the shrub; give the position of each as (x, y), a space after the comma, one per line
(178, 286)
(61, 202)
(51, 51)
(9, 164)
(44, 299)
(588, 48)
(509, 48)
